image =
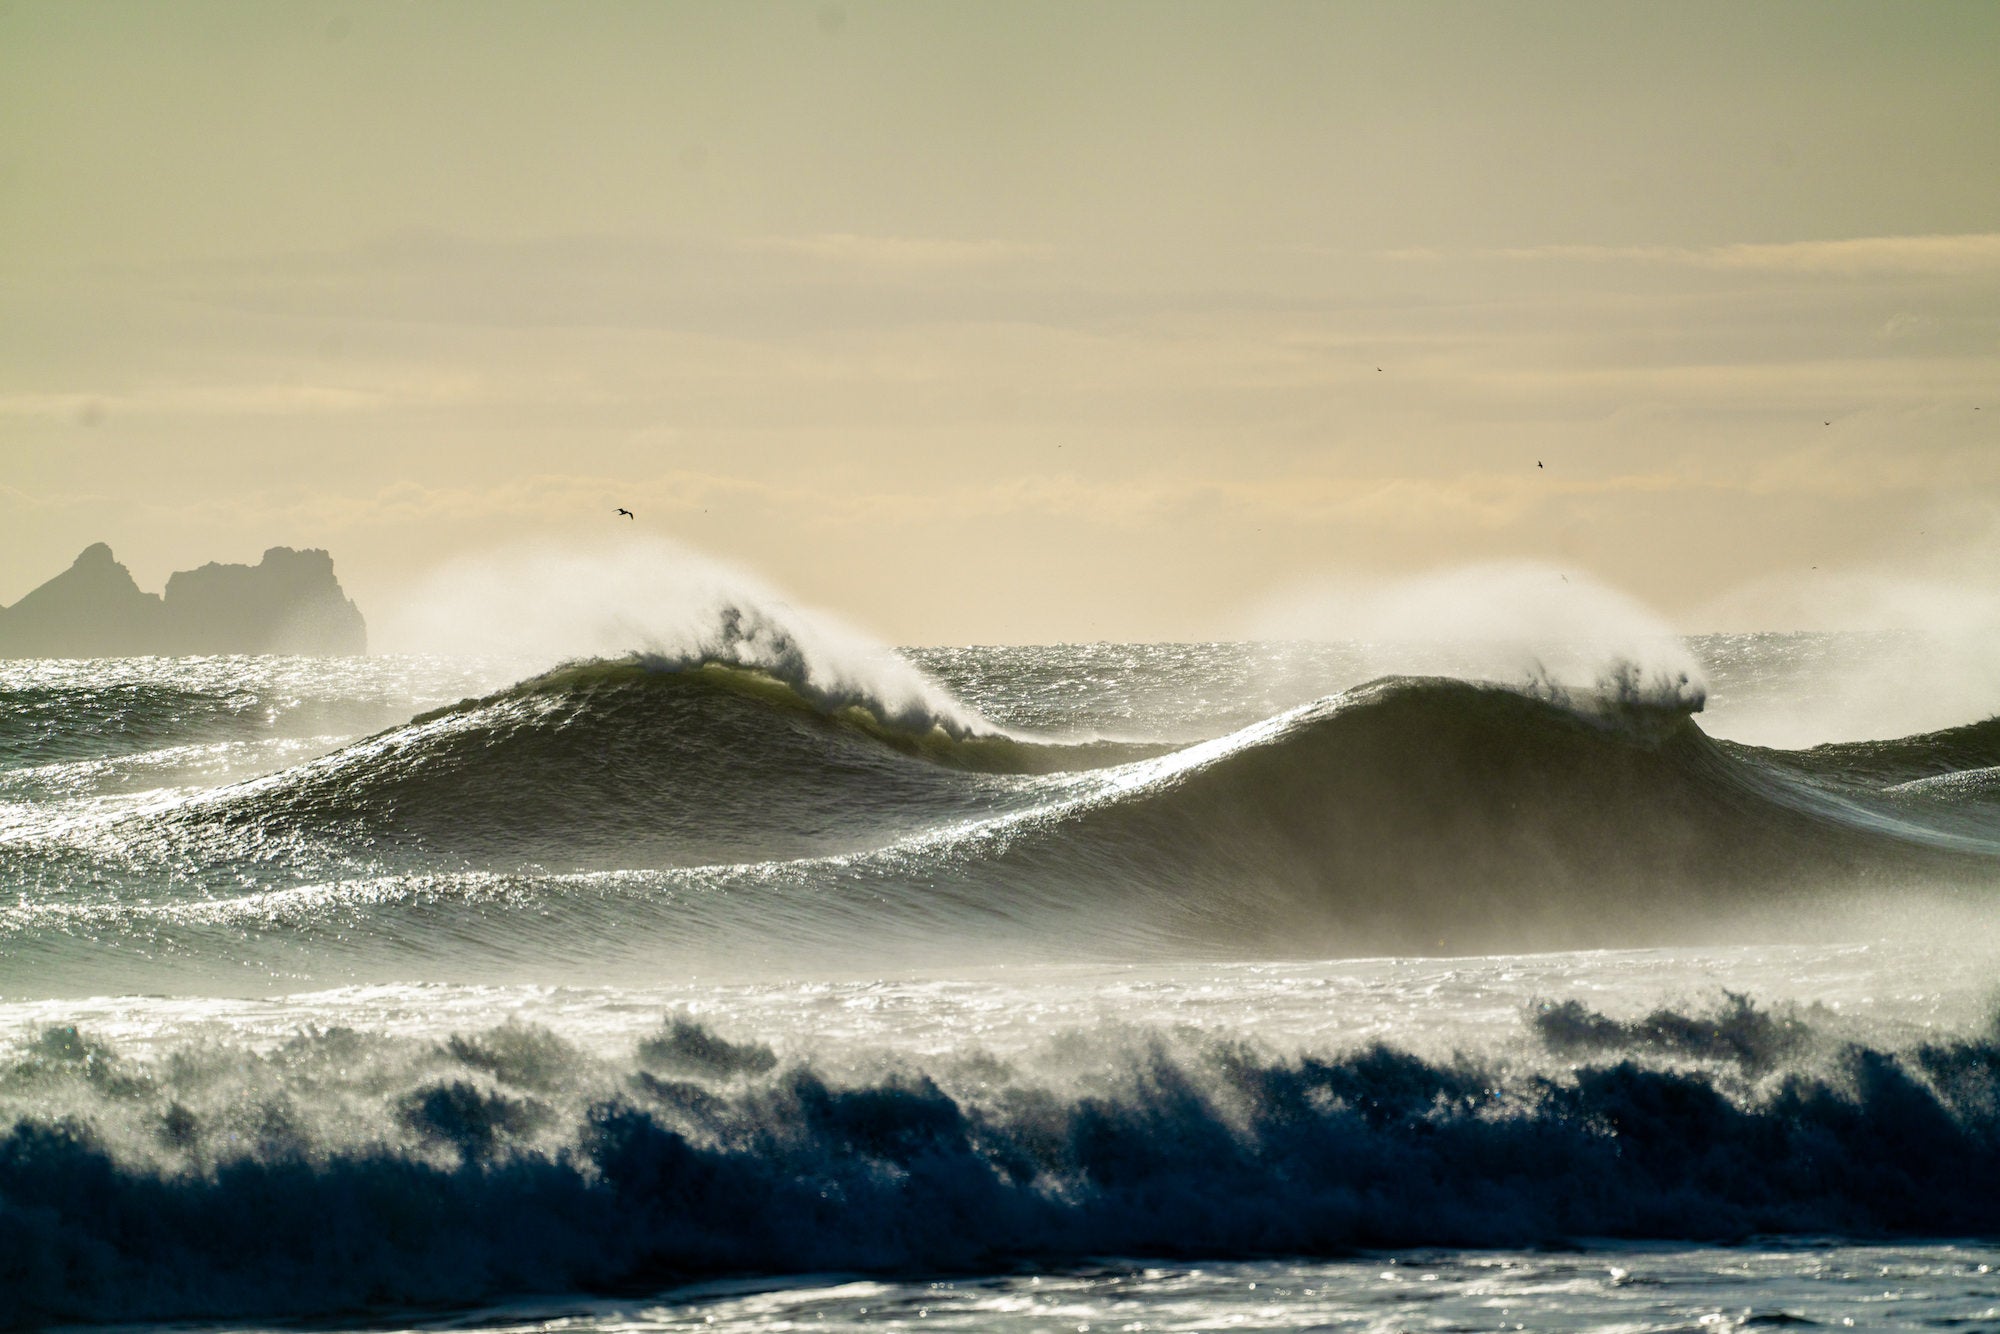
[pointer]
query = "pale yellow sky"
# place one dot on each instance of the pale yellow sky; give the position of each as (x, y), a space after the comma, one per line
(1006, 321)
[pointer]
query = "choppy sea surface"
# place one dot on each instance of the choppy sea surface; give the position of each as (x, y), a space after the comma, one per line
(765, 985)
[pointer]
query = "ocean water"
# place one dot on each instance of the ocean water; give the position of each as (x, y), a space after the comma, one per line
(759, 984)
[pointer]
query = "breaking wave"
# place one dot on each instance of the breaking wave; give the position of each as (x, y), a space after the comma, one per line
(343, 1171)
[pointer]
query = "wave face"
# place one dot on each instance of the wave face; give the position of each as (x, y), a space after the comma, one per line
(628, 764)
(344, 1171)
(108, 725)
(640, 809)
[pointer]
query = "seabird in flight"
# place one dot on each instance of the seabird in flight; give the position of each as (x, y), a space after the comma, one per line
(627, 513)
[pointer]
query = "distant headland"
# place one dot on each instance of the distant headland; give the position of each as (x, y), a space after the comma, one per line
(289, 602)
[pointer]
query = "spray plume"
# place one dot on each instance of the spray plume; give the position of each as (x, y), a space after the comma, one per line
(670, 609)
(1555, 633)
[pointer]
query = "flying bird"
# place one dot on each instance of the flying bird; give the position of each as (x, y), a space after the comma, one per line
(1538, 464)
(627, 513)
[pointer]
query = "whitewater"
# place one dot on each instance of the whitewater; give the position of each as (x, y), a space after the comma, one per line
(724, 969)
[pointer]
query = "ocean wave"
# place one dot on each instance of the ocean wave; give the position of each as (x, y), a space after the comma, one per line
(56, 712)
(631, 763)
(1909, 759)
(51, 724)
(1421, 815)
(729, 811)
(350, 1171)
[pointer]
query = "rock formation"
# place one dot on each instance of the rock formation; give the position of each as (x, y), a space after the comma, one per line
(290, 602)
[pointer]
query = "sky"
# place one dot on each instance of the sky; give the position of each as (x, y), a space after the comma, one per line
(1010, 322)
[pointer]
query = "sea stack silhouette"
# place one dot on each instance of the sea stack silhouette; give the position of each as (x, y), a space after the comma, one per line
(289, 602)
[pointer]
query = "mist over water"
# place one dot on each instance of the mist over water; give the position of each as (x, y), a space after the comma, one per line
(1537, 626)
(1897, 649)
(644, 928)
(668, 606)
(1844, 654)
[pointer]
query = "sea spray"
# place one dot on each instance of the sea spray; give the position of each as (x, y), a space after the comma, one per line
(671, 608)
(1554, 631)
(1889, 649)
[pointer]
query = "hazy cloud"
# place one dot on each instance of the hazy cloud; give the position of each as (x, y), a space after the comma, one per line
(924, 254)
(1971, 253)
